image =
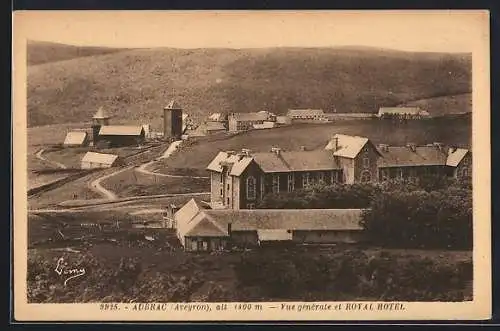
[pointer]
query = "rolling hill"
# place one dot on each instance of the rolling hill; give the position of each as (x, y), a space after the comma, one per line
(40, 52)
(134, 85)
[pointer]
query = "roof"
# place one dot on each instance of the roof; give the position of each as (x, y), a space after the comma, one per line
(265, 125)
(193, 221)
(120, 130)
(455, 156)
(296, 161)
(173, 105)
(214, 126)
(400, 156)
(400, 110)
(249, 117)
(75, 138)
(348, 146)
(100, 114)
(100, 158)
(274, 235)
(215, 116)
(288, 219)
(305, 112)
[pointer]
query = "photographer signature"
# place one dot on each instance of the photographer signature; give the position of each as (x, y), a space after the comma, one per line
(73, 273)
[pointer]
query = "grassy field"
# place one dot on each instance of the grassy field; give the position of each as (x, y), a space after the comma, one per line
(124, 262)
(133, 183)
(40, 52)
(452, 104)
(196, 155)
(134, 85)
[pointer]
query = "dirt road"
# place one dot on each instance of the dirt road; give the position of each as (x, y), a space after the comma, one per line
(39, 155)
(105, 193)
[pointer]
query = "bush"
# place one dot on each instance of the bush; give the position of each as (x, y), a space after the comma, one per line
(420, 219)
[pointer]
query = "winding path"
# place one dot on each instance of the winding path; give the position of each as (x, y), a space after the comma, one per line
(55, 163)
(105, 193)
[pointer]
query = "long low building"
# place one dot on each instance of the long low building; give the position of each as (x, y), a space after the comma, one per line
(92, 160)
(201, 229)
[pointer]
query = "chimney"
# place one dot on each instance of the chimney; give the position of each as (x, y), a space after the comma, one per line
(245, 152)
(383, 147)
(229, 153)
(335, 140)
(438, 145)
(303, 148)
(412, 147)
(276, 150)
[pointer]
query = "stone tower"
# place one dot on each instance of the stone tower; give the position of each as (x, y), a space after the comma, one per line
(99, 119)
(172, 121)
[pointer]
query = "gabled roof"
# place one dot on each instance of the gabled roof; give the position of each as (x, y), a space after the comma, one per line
(100, 158)
(101, 114)
(215, 163)
(296, 161)
(249, 117)
(173, 105)
(187, 212)
(120, 130)
(305, 112)
(455, 156)
(400, 156)
(348, 146)
(75, 138)
(288, 219)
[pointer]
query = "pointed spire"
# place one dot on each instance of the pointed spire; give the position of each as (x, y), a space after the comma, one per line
(173, 105)
(101, 114)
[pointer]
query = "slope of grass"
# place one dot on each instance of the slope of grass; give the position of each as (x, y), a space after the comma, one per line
(39, 52)
(135, 85)
(198, 154)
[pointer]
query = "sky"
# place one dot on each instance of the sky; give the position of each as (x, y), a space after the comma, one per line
(435, 31)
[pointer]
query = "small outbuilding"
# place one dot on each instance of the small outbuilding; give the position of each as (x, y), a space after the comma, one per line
(76, 139)
(92, 160)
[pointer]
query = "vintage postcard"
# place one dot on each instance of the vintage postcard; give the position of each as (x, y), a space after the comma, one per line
(249, 166)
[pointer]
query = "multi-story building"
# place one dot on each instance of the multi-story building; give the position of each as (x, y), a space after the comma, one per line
(239, 180)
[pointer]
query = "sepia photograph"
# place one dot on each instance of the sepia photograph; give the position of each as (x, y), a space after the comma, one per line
(248, 165)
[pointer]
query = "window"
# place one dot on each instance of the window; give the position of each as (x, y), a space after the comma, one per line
(305, 179)
(276, 183)
(221, 193)
(228, 186)
(321, 177)
(262, 187)
(251, 205)
(334, 177)
(465, 172)
(366, 162)
(251, 188)
(291, 182)
(366, 176)
(228, 200)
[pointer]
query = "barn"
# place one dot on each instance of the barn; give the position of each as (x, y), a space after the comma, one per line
(201, 229)
(76, 139)
(121, 135)
(92, 160)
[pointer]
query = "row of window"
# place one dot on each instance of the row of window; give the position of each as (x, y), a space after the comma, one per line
(307, 179)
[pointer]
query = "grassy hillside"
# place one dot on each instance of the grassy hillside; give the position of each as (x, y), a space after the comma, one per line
(39, 52)
(135, 85)
(453, 131)
(451, 104)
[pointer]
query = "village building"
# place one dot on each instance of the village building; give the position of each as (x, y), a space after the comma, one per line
(283, 120)
(92, 160)
(120, 135)
(307, 115)
(240, 180)
(402, 113)
(412, 162)
(76, 139)
(245, 121)
(201, 229)
(265, 125)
